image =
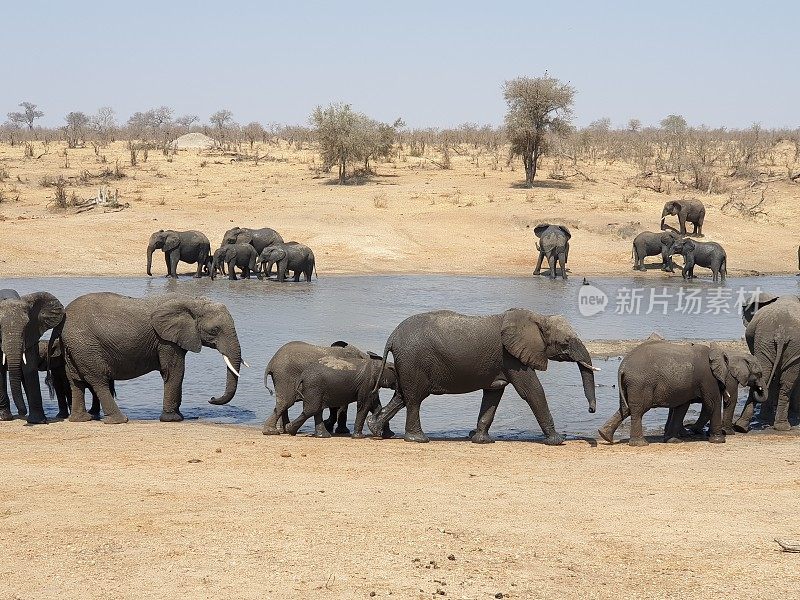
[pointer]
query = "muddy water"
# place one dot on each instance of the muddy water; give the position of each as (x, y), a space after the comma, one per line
(365, 309)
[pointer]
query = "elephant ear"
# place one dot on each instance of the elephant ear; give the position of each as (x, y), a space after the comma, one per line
(45, 310)
(740, 368)
(521, 335)
(719, 363)
(540, 229)
(171, 242)
(174, 321)
(668, 238)
(565, 230)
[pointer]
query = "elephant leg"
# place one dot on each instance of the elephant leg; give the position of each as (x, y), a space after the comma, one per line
(199, 273)
(414, 432)
(379, 423)
(172, 374)
(112, 413)
(787, 384)
(61, 389)
(551, 261)
(491, 398)
(682, 223)
(320, 430)
(341, 421)
(609, 427)
(530, 389)
(673, 430)
(5, 402)
(94, 409)
(78, 412)
(167, 263)
(538, 268)
(231, 271)
(636, 407)
(30, 383)
(295, 425)
(562, 262)
(174, 257)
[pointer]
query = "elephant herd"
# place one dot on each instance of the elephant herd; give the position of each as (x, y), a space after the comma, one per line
(253, 251)
(553, 244)
(100, 338)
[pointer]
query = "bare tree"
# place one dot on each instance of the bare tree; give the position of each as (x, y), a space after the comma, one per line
(634, 125)
(537, 107)
(104, 124)
(221, 120)
(27, 116)
(187, 121)
(75, 129)
(253, 132)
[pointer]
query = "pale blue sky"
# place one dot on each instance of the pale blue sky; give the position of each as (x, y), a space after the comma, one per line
(433, 63)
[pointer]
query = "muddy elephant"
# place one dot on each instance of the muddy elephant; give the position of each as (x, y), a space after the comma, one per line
(689, 210)
(258, 238)
(704, 254)
(651, 243)
(109, 337)
(773, 336)
(334, 382)
(234, 255)
(285, 368)
(291, 256)
(659, 373)
(23, 320)
(444, 352)
(184, 246)
(554, 245)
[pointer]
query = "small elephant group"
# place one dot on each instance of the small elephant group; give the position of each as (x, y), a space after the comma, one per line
(668, 243)
(252, 251)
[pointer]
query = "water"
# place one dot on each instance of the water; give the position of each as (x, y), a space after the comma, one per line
(364, 310)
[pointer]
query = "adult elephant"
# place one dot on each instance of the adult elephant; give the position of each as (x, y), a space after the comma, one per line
(444, 352)
(705, 254)
(687, 209)
(773, 337)
(234, 255)
(110, 337)
(285, 368)
(651, 243)
(23, 320)
(179, 246)
(291, 256)
(659, 373)
(554, 245)
(258, 238)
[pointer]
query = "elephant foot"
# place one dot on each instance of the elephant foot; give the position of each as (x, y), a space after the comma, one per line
(606, 434)
(638, 442)
(741, 428)
(728, 431)
(481, 437)
(342, 430)
(5, 415)
(80, 417)
(37, 420)
(717, 438)
(270, 431)
(782, 426)
(115, 418)
(321, 433)
(554, 440)
(171, 417)
(673, 440)
(372, 425)
(358, 435)
(419, 437)
(62, 414)
(387, 433)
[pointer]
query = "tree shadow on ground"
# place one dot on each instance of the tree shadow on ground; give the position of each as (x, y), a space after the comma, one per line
(548, 184)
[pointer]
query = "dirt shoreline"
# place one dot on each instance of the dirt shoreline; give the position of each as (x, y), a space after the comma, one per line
(196, 510)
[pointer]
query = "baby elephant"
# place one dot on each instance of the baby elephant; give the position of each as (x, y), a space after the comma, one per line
(658, 373)
(704, 254)
(554, 246)
(290, 256)
(334, 382)
(239, 255)
(651, 243)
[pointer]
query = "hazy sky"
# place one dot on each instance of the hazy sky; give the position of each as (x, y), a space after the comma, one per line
(433, 63)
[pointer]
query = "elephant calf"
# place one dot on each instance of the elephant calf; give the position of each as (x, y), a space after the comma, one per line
(333, 382)
(234, 255)
(290, 256)
(687, 209)
(553, 245)
(704, 254)
(649, 243)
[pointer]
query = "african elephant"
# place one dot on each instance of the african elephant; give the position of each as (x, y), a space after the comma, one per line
(659, 373)
(649, 243)
(23, 320)
(258, 238)
(185, 246)
(285, 368)
(743, 370)
(444, 352)
(234, 255)
(334, 382)
(553, 244)
(110, 337)
(773, 337)
(704, 254)
(687, 209)
(289, 257)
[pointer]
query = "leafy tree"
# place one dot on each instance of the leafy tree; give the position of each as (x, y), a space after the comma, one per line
(537, 107)
(28, 115)
(336, 128)
(77, 122)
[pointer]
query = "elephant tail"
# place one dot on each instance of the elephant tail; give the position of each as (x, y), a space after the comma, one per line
(316, 275)
(267, 375)
(623, 400)
(386, 350)
(724, 266)
(633, 250)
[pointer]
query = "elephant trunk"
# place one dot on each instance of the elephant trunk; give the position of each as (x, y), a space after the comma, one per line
(13, 350)
(232, 354)
(150, 249)
(579, 354)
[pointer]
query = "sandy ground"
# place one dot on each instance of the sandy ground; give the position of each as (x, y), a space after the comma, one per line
(151, 510)
(411, 217)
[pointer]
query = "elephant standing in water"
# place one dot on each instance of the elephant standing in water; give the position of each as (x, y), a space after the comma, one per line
(658, 373)
(553, 245)
(258, 238)
(235, 255)
(704, 254)
(687, 209)
(649, 243)
(444, 352)
(23, 320)
(185, 246)
(109, 337)
(773, 337)
(289, 257)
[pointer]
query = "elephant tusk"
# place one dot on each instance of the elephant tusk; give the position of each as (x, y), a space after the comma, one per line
(244, 362)
(727, 394)
(588, 366)
(4, 358)
(230, 365)
(24, 360)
